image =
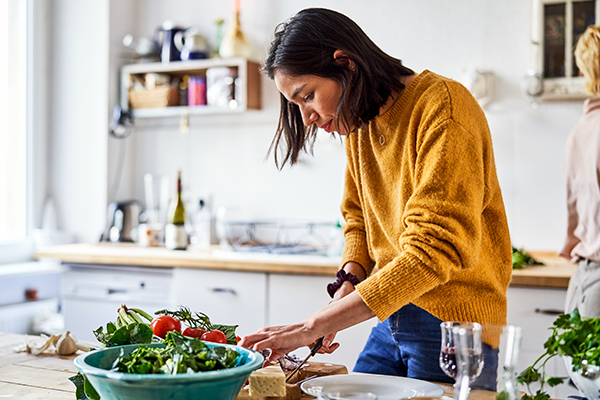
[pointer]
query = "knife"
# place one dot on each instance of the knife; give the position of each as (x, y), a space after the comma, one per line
(313, 351)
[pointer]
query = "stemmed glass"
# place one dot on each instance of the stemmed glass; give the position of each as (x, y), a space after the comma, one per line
(461, 355)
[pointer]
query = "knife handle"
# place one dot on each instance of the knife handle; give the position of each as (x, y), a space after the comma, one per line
(316, 347)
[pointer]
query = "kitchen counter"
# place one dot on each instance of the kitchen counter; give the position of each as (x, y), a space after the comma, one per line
(554, 274)
(27, 377)
(214, 258)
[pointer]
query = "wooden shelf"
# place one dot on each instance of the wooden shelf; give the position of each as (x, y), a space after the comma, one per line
(248, 87)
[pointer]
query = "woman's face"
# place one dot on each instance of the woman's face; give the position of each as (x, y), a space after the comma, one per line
(316, 97)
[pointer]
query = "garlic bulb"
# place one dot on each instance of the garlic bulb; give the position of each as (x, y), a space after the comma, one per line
(66, 344)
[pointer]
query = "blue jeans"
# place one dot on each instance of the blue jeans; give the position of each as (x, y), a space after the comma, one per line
(408, 344)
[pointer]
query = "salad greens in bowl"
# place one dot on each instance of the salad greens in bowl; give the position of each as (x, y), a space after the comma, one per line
(178, 368)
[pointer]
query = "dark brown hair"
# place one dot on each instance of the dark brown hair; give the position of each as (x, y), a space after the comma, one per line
(304, 45)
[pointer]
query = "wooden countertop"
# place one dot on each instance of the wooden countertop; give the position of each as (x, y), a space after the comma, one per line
(554, 274)
(131, 254)
(24, 376)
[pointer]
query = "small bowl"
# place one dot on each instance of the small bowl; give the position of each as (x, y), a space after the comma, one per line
(588, 382)
(222, 384)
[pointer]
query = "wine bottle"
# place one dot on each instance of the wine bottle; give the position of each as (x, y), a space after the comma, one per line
(176, 237)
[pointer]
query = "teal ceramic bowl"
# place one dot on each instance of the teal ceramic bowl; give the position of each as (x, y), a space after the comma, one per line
(222, 384)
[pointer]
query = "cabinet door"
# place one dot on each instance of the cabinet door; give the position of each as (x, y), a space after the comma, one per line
(227, 297)
(534, 310)
(293, 298)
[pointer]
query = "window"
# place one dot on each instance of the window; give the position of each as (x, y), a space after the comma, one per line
(557, 25)
(13, 132)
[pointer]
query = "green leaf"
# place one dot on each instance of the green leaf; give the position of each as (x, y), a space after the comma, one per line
(141, 333)
(554, 380)
(90, 392)
(83, 388)
(503, 395)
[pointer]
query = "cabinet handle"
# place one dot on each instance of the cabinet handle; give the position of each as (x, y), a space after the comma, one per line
(113, 291)
(223, 290)
(549, 311)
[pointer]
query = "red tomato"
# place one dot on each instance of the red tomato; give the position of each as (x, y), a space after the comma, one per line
(237, 338)
(214, 336)
(165, 323)
(193, 332)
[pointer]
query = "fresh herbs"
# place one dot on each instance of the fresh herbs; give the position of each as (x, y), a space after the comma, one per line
(181, 355)
(199, 320)
(128, 328)
(521, 259)
(572, 336)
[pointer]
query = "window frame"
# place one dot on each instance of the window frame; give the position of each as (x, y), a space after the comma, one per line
(22, 249)
(563, 88)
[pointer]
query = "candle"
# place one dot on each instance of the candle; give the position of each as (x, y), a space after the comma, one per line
(236, 6)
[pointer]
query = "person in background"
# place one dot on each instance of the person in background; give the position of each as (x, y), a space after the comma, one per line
(582, 244)
(426, 236)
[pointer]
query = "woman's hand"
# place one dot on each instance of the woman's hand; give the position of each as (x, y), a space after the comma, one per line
(340, 314)
(280, 339)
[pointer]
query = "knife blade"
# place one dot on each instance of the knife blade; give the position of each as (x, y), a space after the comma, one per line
(313, 351)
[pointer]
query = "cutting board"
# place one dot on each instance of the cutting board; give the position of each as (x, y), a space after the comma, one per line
(311, 369)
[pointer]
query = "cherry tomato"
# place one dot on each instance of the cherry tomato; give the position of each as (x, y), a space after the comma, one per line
(237, 338)
(214, 336)
(165, 323)
(193, 332)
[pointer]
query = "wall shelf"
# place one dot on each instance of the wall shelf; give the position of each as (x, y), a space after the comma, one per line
(247, 87)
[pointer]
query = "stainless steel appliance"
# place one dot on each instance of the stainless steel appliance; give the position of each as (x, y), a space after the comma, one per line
(122, 217)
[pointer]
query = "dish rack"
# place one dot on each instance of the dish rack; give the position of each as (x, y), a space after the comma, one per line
(279, 237)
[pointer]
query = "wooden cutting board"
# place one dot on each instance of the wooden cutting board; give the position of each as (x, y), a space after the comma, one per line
(310, 369)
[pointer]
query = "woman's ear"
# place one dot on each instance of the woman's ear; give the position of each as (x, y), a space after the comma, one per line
(343, 60)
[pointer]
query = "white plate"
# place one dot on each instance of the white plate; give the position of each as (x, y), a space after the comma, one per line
(384, 386)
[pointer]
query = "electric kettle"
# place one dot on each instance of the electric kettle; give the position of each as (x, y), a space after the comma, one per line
(122, 217)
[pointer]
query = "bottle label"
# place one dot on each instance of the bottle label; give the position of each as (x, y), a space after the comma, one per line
(176, 237)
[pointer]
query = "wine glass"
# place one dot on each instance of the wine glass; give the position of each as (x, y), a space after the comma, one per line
(507, 339)
(461, 355)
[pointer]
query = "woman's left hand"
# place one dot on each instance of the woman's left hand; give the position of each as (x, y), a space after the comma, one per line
(281, 339)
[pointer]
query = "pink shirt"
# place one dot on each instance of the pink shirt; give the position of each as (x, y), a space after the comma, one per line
(583, 185)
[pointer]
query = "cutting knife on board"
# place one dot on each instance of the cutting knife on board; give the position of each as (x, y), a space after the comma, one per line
(313, 351)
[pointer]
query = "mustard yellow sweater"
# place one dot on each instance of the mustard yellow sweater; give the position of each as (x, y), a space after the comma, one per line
(422, 203)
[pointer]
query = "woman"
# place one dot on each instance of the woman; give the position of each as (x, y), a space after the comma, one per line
(583, 188)
(422, 203)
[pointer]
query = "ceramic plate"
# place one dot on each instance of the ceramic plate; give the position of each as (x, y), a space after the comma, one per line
(384, 386)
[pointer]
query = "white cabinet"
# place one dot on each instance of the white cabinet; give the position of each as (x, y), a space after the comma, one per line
(92, 294)
(534, 310)
(227, 297)
(293, 298)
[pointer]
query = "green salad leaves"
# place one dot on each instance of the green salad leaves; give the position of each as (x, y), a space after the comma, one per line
(521, 259)
(181, 355)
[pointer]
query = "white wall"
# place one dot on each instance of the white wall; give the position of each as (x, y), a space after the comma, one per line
(225, 155)
(78, 107)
